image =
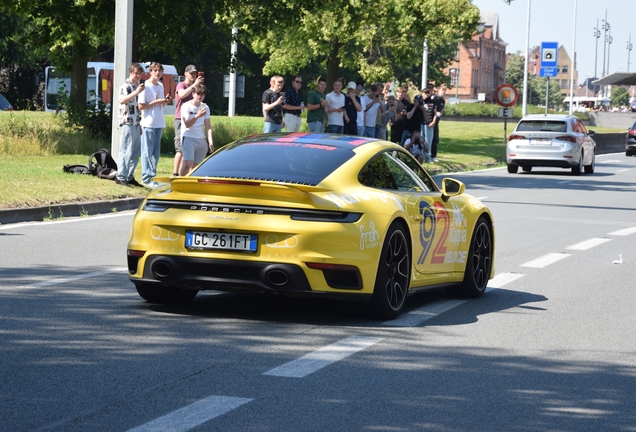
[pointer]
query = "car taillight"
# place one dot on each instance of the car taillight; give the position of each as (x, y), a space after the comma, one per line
(567, 138)
(632, 132)
(516, 137)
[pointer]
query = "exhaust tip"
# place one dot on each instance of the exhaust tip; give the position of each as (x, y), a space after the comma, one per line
(162, 269)
(277, 277)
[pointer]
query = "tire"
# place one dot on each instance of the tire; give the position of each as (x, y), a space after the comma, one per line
(479, 261)
(589, 169)
(155, 293)
(393, 275)
(526, 168)
(577, 170)
(512, 169)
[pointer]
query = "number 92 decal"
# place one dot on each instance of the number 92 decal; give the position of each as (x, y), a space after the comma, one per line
(432, 217)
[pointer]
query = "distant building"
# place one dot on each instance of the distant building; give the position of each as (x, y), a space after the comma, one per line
(480, 65)
(564, 68)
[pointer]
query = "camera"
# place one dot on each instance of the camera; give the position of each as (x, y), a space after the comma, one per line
(418, 98)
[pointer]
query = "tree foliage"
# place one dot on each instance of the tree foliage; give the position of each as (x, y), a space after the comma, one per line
(620, 97)
(373, 37)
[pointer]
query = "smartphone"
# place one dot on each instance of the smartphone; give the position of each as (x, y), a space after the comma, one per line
(200, 74)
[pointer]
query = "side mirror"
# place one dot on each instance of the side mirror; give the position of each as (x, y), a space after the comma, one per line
(452, 187)
(591, 132)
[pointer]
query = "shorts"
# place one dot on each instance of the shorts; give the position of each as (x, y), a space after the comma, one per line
(177, 136)
(194, 149)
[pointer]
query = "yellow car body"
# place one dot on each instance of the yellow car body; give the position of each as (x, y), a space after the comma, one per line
(311, 214)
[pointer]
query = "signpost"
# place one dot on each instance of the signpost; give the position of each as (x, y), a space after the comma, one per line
(549, 59)
(506, 95)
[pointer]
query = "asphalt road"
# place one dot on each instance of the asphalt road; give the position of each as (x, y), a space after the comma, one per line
(550, 346)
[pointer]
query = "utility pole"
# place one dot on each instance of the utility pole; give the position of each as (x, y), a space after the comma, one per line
(605, 29)
(629, 50)
(524, 110)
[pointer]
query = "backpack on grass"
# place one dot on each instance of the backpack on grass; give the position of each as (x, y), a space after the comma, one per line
(102, 164)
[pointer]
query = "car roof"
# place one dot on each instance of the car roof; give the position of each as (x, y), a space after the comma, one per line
(4, 103)
(548, 117)
(343, 141)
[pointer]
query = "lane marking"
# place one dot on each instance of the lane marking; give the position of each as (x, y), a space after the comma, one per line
(68, 279)
(546, 260)
(589, 244)
(624, 232)
(503, 278)
(323, 357)
(193, 415)
(610, 161)
(64, 221)
(424, 313)
(482, 198)
(622, 170)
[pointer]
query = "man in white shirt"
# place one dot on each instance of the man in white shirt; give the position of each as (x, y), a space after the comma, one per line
(336, 109)
(151, 103)
(373, 104)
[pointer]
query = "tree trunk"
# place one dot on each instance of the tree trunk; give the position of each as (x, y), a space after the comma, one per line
(333, 66)
(78, 82)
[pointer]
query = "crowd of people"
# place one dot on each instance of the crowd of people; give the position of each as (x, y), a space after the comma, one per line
(374, 111)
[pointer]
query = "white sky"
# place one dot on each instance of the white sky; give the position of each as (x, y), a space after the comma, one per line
(553, 21)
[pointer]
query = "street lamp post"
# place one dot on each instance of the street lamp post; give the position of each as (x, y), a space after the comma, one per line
(629, 50)
(597, 35)
(610, 39)
(605, 28)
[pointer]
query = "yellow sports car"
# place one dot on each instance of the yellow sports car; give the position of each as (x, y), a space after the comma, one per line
(311, 214)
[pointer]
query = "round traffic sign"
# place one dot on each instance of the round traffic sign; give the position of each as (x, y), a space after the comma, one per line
(506, 95)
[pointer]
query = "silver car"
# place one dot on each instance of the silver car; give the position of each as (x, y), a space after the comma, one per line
(551, 141)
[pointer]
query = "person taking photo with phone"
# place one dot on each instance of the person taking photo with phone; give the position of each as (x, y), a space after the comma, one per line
(183, 94)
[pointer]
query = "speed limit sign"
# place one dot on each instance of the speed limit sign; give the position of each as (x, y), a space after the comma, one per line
(506, 95)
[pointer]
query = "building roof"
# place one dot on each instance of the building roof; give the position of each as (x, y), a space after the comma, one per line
(617, 78)
(491, 19)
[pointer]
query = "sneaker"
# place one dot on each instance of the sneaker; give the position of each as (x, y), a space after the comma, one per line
(135, 183)
(151, 185)
(122, 182)
(435, 160)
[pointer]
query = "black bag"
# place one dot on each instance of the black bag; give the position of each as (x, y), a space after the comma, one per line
(76, 169)
(102, 164)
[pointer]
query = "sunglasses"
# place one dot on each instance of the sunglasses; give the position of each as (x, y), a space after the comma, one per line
(298, 82)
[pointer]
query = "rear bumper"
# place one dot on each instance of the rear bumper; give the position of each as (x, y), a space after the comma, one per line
(239, 275)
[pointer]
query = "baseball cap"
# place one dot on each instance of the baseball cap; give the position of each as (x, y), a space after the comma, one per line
(351, 85)
(191, 68)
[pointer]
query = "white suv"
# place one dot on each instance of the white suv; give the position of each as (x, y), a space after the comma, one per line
(551, 141)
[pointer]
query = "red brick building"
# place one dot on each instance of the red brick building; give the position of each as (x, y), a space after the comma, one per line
(564, 68)
(481, 63)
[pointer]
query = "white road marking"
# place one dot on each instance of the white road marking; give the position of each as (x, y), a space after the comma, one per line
(622, 170)
(323, 357)
(68, 279)
(589, 244)
(609, 161)
(502, 279)
(545, 260)
(69, 220)
(424, 313)
(193, 415)
(624, 232)
(482, 198)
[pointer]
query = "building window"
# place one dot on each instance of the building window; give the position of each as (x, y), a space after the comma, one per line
(564, 84)
(564, 69)
(558, 69)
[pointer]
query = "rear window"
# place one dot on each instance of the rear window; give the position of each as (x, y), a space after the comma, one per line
(542, 126)
(301, 163)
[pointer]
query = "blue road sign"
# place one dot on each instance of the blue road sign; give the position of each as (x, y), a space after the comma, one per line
(549, 54)
(548, 72)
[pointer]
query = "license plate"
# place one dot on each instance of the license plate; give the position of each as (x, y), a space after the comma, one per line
(202, 240)
(540, 141)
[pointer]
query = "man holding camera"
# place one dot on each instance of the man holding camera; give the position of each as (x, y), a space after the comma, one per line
(336, 109)
(417, 147)
(151, 103)
(129, 117)
(373, 104)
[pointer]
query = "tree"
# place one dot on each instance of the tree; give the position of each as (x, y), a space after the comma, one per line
(514, 70)
(373, 37)
(537, 91)
(620, 97)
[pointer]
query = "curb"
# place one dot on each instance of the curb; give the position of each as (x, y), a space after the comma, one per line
(56, 211)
